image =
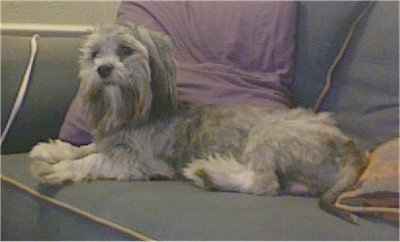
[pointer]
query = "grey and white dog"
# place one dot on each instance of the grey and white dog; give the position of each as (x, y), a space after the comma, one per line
(128, 92)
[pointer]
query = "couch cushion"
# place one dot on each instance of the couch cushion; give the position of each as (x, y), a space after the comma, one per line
(165, 210)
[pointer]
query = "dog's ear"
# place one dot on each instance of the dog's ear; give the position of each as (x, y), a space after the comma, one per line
(163, 70)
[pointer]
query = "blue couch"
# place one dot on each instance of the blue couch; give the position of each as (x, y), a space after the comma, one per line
(364, 96)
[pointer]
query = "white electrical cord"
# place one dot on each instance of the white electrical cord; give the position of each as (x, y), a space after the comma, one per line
(22, 88)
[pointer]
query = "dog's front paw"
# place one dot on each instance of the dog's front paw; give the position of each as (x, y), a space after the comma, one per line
(53, 151)
(50, 174)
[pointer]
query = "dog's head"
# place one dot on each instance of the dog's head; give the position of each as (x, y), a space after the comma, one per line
(127, 76)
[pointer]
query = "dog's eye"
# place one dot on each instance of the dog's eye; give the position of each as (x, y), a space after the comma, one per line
(125, 50)
(94, 54)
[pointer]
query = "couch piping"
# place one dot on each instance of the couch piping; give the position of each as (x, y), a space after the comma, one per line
(365, 209)
(75, 210)
(340, 54)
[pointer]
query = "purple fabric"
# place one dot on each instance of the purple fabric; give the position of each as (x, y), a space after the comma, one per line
(227, 52)
(74, 128)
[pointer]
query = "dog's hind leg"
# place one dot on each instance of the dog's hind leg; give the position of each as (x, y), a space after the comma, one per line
(225, 173)
(57, 150)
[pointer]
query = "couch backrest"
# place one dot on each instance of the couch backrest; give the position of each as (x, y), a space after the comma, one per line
(52, 86)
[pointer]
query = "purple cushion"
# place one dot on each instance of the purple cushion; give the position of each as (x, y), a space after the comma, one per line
(74, 128)
(227, 52)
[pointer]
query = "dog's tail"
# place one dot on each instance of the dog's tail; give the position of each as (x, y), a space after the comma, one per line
(353, 165)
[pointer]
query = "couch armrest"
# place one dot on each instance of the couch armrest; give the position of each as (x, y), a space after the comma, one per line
(53, 84)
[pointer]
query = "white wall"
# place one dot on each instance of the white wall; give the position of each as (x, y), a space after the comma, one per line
(59, 12)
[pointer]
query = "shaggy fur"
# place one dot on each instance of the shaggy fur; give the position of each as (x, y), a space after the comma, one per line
(128, 93)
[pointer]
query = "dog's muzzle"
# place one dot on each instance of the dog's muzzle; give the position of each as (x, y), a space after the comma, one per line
(105, 70)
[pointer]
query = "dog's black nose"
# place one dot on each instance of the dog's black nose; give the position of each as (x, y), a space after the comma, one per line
(105, 70)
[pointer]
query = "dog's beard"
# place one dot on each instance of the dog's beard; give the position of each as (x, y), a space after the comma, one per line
(121, 100)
